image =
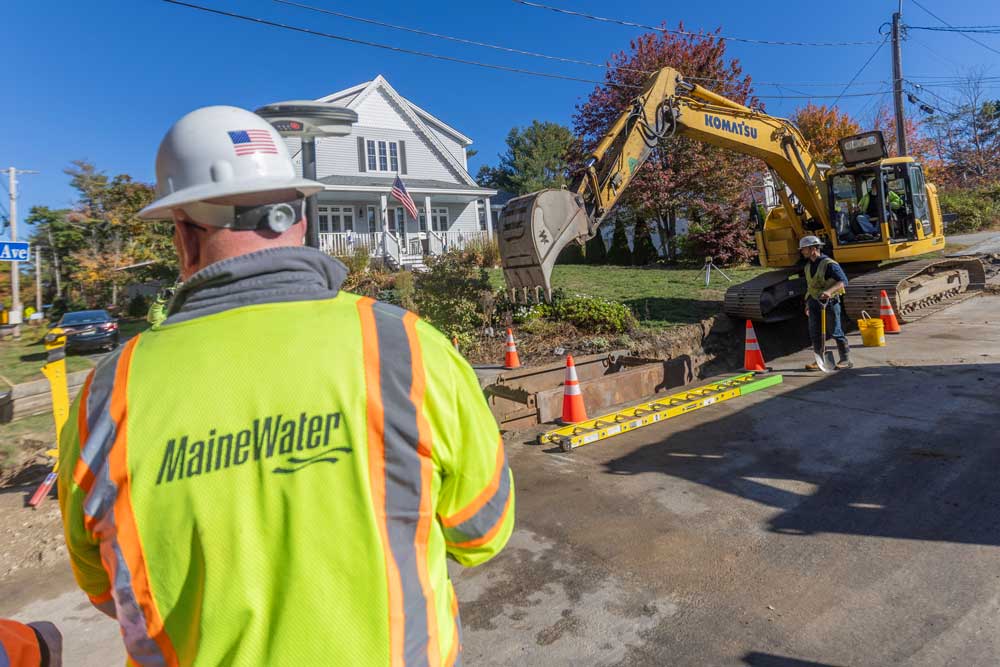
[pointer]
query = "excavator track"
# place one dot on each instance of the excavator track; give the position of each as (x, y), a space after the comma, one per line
(770, 297)
(916, 289)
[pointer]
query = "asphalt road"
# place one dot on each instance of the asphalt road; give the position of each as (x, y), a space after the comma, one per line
(849, 519)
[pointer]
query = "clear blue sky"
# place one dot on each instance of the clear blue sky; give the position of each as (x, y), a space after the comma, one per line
(104, 79)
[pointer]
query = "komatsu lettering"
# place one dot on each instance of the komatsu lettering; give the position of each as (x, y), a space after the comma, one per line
(731, 126)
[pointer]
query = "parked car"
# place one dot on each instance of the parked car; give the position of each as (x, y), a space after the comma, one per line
(89, 330)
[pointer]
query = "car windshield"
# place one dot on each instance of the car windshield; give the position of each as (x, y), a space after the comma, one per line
(85, 317)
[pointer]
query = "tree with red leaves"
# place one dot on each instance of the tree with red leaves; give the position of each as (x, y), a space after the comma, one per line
(682, 176)
(822, 127)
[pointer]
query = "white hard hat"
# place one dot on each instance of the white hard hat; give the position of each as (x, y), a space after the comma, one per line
(807, 241)
(219, 162)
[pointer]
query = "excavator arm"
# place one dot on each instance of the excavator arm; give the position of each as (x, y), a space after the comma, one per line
(535, 227)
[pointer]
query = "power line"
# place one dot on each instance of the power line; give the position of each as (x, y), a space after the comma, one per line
(984, 30)
(862, 69)
(460, 40)
(426, 54)
(644, 26)
(971, 39)
(533, 54)
(397, 49)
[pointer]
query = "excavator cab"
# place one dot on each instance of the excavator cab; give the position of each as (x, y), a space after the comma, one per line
(875, 199)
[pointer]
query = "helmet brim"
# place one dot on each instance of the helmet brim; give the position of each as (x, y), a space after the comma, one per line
(160, 209)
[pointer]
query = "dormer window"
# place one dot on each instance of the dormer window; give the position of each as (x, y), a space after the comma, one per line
(383, 156)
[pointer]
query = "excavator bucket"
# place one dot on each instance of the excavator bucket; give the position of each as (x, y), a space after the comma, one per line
(533, 229)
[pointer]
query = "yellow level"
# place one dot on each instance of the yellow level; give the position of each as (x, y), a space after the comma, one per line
(576, 435)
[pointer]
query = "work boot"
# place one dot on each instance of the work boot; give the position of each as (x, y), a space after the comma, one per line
(844, 352)
(813, 367)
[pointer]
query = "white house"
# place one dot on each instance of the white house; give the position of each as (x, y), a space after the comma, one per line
(395, 136)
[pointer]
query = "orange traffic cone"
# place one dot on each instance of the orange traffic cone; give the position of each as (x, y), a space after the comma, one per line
(573, 408)
(888, 315)
(753, 360)
(510, 359)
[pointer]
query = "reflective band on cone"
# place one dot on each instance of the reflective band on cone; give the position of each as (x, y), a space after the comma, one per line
(510, 358)
(889, 322)
(573, 409)
(753, 360)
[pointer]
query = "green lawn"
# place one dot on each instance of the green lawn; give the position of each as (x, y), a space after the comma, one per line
(22, 360)
(659, 297)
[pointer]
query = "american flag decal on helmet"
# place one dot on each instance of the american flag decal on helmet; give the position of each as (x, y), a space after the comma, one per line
(246, 142)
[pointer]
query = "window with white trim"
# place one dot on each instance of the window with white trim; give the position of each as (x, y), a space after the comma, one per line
(335, 219)
(383, 155)
(439, 219)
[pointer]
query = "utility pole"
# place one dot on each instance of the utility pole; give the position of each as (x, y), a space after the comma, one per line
(15, 282)
(38, 280)
(897, 82)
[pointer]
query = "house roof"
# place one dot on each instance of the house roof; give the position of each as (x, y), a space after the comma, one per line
(353, 97)
(412, 184)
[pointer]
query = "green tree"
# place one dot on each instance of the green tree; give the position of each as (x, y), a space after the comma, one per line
(619, 252)
(115, 239)
(58, 239)
(643, 250)
(596, 252)
(535, 159)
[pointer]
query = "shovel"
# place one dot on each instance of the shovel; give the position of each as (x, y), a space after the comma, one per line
(824, 361)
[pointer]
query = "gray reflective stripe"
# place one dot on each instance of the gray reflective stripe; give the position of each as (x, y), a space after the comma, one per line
(140, 646)
(101, 428)
(4, 658)
(55, 354)
(402, 473)
(99, 504)
(483, 521)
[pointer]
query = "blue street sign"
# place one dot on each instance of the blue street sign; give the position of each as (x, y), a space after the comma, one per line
(14, 252)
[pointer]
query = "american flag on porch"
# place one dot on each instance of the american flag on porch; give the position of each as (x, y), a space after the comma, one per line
(403, 197)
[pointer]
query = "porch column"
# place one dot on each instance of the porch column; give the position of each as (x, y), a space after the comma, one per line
(383, 212)
(489, 220)
(427, 215)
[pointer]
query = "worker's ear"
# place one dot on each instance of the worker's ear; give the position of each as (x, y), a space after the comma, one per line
(188, 246)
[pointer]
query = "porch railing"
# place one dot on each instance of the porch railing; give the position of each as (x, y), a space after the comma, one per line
(346, 243)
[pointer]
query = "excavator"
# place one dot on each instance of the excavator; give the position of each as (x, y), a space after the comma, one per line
(875, 214)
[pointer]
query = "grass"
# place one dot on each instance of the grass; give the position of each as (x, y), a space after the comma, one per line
(22, 360)
(22, 440)
(659, 297)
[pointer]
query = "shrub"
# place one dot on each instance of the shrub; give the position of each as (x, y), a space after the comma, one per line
(975, 209)
(484, 252)
(357, 262)
(137, 306)
(590, 314)
(405, 287)
(449, 294)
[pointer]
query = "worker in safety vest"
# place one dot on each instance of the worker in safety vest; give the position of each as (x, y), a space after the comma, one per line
(157, 312)
(37, 644)
(276, 474)
(826, 282)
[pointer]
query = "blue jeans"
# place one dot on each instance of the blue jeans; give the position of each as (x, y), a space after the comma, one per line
(833, 326)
